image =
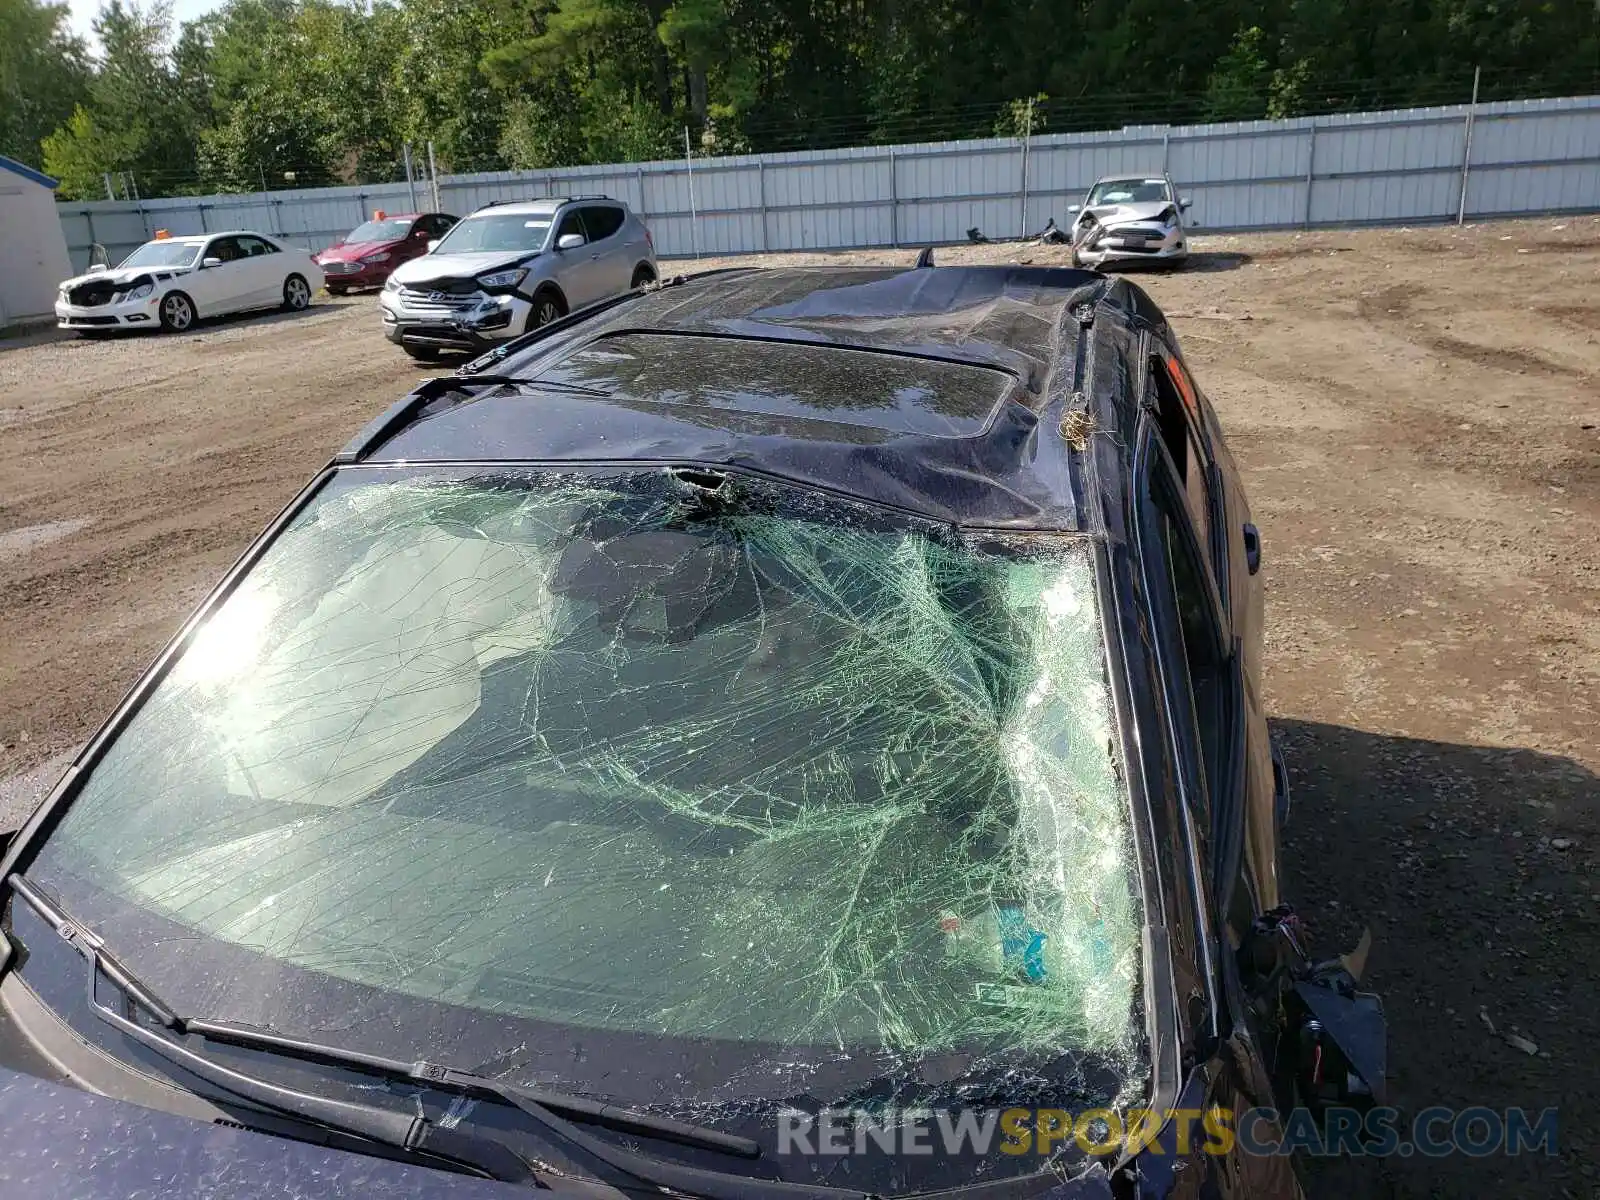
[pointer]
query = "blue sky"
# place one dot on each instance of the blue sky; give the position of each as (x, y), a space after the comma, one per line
(83, 12)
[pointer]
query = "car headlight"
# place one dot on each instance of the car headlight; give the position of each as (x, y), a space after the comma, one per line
(391, 284)
(140, 292)
(1169, 216)
(503, 279)
(381, 256)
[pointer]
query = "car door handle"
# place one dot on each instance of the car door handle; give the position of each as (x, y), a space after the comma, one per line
(1252, 547)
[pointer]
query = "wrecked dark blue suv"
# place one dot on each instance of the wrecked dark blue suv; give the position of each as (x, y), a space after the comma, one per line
(786, 734)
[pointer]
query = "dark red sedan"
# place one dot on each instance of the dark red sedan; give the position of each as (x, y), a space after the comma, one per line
(366, 255)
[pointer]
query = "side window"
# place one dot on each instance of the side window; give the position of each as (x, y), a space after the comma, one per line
(1198, 656)
(603, 220)
(571, 222)
(437, 226)
(252, 247)
(1203, 658)
(1178, 416)
(225, 248)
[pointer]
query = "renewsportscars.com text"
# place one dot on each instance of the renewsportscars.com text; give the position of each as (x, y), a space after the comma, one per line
(1430, 1132)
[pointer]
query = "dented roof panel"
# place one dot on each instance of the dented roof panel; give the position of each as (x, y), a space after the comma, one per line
(943, 420)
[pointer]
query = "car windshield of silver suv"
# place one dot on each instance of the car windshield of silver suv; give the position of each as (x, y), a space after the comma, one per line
(501, 231)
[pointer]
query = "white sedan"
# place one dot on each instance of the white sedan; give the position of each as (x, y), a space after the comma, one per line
(173, 281)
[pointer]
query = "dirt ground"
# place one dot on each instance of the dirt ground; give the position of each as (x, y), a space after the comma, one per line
(1416, 414)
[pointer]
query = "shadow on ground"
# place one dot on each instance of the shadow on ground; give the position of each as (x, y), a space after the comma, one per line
(1198, 260)
(1474, 867)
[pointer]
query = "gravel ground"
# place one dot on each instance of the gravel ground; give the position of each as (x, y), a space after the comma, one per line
(1415, 412)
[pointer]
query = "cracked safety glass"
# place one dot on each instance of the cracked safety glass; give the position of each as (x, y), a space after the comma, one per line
(644, 753)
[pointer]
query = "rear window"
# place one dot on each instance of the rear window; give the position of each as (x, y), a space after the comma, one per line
(621, 753)
(602, 220)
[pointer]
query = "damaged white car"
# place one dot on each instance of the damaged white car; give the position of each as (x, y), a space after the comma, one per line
(171, 282)
(1128, 219)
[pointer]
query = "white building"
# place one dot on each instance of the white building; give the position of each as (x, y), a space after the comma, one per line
(33, 249)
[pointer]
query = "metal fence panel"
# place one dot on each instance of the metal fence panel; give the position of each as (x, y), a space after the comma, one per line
(1352, 169)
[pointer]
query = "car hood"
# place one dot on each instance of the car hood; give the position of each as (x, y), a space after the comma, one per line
(64, 1144)
(458, 266)
(351, 251)
(1108, 214)
(121, 275)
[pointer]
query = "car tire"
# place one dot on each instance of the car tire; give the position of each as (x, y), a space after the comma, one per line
(422, 353)
(642, 274)
(177, 312)
(296, 294)
(548, 306)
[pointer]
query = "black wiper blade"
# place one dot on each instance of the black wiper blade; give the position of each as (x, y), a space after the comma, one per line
(415, 1135)
(543, 1107)
(593, 1112)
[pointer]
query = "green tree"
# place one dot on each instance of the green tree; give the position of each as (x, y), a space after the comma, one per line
(135, 117)
(1238, 87)
(44, 75)
(83, 150)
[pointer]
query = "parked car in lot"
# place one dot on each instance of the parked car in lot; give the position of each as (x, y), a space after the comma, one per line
(775, 697)
(1130, 219)
(509, 268)
(172, 282)
(367, 255)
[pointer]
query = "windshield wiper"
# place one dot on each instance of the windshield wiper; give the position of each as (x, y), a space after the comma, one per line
(416, 1134)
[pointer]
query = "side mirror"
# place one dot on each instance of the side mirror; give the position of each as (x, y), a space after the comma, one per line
(433, 244)
(569, 241)
(1184, 202)
(97, 269)
(1073, 208)
(210, 262)
(98, 257)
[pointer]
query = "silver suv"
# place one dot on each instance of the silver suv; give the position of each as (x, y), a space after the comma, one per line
(509, 268)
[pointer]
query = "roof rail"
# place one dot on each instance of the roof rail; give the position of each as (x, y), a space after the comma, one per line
(530, 200)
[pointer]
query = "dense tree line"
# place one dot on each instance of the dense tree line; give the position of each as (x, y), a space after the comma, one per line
(276, 93)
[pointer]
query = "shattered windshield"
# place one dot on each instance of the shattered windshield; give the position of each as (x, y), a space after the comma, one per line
(637, 755)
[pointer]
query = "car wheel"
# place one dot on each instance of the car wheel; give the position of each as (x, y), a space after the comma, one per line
(642, 275)
(177, 312)
(547, 307)
(296, 293)
(422, 353)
